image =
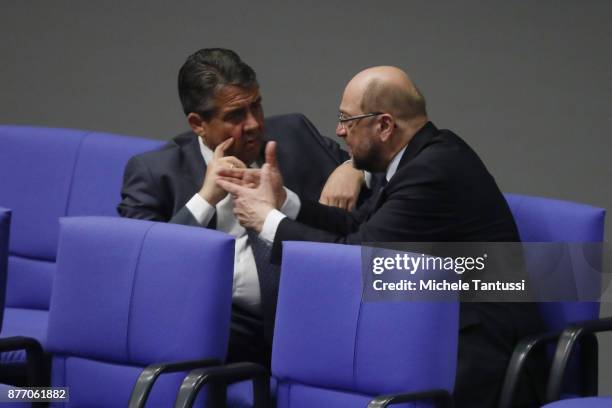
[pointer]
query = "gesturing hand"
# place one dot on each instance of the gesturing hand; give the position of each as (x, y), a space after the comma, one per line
(252, 201)
(210, 191)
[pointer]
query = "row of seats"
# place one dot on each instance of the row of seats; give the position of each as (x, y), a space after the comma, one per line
(129, 293)
(129, 280)
(49, 173)
(46, 174)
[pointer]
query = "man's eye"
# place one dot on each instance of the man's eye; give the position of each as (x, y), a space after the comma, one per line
(236, 115)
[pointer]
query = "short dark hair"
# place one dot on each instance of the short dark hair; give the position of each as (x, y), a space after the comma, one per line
(205, 72)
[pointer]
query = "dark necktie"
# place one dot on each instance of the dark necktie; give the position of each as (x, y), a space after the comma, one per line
(269, 277)
(380, 182)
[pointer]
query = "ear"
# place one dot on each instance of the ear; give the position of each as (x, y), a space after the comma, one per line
(197, 124)
(386, 125)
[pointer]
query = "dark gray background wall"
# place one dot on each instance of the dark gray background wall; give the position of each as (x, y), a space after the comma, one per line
(527, 84)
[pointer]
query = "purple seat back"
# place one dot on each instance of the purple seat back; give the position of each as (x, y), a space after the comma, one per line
(47, 173)
(129, 293)
(331, 348)
(548, 220)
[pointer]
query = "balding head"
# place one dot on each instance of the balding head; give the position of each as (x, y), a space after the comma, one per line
(387, 89)
(383, 110)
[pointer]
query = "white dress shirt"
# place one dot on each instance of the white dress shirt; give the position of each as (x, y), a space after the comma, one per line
(245, 289)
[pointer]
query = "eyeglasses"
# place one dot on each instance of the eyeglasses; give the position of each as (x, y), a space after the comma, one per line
(342, 118)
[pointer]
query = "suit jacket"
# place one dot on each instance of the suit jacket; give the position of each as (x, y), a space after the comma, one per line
(158, 184)
(441, 192)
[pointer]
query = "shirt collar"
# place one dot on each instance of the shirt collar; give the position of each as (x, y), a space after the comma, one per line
(207, 154)
(394, 163)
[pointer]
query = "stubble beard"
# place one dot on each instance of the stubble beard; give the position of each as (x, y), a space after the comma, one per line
(371, 160)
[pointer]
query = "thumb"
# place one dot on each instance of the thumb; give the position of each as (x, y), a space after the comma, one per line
(271, 154)
(264, 177)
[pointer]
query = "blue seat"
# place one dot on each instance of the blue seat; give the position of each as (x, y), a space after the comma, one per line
(332, 348)
(28, 346)
(47, 173)
(588, 402)
(554, 221)
(131, 293)
(5, 225)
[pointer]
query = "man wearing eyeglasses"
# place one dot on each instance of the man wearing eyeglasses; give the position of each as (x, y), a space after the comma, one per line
(437, 190)
(221, 99)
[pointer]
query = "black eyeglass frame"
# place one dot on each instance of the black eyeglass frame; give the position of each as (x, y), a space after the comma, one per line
(342, 119)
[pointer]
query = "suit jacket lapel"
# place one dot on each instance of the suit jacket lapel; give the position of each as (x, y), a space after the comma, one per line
(380, 197)
(418, 142)
(421, 139)
(193, 166)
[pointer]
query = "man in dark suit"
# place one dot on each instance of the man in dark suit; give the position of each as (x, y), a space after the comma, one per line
(437, 190)
(221, 99)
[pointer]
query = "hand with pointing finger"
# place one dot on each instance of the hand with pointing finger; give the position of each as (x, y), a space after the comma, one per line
(253, 204)
(243, 177)
(210, 191)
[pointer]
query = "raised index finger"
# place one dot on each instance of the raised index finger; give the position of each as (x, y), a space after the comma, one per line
(222, 147)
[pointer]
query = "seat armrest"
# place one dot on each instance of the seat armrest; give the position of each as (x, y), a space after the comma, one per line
(580, 332)
(440, 398)
(35, 357)
(149, 375)
(522, 351)
(220, 376)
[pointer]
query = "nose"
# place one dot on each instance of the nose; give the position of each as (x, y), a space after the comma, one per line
(340, 130)
(251, 123)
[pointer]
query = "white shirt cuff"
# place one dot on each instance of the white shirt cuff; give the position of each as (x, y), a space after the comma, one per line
(268, 231)
(291, 206)
(201, 209)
